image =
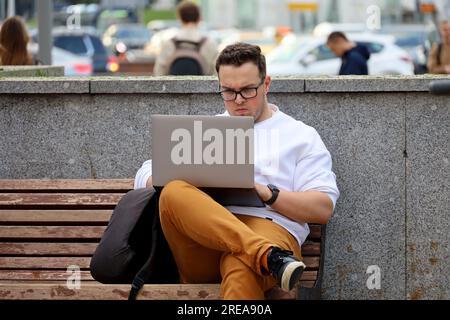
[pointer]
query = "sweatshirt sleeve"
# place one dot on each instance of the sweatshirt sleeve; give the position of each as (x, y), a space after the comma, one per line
(313, 171)
(145, 172)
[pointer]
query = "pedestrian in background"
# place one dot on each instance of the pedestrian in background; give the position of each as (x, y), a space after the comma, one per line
(354, 57)
(189, 50)
(439, 58)
(13, 43)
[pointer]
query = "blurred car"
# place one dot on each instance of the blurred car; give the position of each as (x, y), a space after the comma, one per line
(220, 35)
(84, 42)
(266, 42)
(310, 55)
(120, 38)
(413, 39)
(323, 29)
(114, 15)
(74, 65)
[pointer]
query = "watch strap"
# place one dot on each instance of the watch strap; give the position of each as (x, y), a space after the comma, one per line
(275, 192)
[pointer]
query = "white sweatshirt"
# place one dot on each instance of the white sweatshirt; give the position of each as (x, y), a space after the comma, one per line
(288, 154)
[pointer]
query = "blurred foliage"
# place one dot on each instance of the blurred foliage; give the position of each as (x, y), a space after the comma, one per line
(150, 14)
(31, 23)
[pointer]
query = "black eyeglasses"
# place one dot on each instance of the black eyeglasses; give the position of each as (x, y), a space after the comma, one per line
(246, 93)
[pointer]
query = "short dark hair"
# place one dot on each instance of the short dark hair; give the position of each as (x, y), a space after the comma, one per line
(188, 11)
(239, 53)
(336, 35)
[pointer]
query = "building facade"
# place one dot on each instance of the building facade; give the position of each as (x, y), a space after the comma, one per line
(303, 15)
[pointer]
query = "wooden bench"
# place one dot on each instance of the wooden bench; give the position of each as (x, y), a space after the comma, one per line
(48, 225)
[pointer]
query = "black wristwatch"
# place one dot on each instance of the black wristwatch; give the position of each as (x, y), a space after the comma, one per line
(275, 192)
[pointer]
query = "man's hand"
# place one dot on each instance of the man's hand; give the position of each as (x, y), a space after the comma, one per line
(263, 191)
(447, 68)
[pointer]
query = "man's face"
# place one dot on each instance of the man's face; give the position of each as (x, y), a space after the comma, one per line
(445, 31)
(337, 47)
(246, 76)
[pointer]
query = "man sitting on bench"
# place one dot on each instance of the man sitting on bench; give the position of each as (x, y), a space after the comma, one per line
(250, 250)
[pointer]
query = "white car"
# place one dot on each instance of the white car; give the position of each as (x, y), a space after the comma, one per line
(308, 55)
(74, 65)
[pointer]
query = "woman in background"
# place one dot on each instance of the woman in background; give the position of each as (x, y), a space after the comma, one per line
(13, 43)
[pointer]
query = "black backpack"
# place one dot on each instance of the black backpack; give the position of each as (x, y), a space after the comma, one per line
(187, 60)
(133, 248)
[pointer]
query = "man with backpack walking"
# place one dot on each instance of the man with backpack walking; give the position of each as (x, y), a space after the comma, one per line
(439, 58)
(189, 52)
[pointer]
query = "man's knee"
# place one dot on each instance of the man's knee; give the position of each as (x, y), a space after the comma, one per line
(175, 185)
(172, 191)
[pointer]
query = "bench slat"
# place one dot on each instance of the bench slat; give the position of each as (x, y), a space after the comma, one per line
(52, 232)
(55, 215)
(43, 262)
(40, 275)
(311, 249)
(315, 232)
(96, 291)
(45, 248)
(60, 275)
(59, 199)
(82, 262)
(273, 294)
(65, 184)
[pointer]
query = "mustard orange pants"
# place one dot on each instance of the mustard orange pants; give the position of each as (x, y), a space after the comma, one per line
(210, 244)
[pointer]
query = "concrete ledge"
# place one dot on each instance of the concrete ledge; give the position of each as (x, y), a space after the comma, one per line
(180, 85)
(45, 85)
(370, 84)
(31, 71)
(154, 85)
(163, 85)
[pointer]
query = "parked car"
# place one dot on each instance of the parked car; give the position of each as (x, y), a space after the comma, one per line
(323, 29)
(74, 65)
(123, 37)
(107, 16)
(265, 41)
(308, 55)
(84, 42)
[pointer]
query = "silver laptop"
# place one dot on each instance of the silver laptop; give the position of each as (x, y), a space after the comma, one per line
(213, 153)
